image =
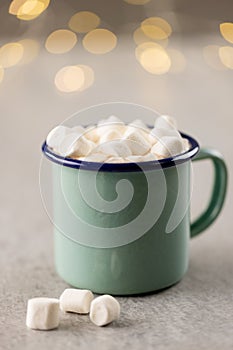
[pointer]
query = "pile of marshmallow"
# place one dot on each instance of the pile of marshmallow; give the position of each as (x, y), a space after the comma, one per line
(113, 141)
(44, 313)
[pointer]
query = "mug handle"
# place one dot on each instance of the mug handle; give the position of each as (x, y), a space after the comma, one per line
(218, 193)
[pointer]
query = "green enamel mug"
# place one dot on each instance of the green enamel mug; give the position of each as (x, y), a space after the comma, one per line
(124, 228)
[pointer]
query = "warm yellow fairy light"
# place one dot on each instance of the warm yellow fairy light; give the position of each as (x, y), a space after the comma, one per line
(146, 46)
(60, 41)
(28, 9)
(15, 6)
(100, 41)
(226, 56)
(155, 61)
(211, 57)
(89, 76)
(84, 21)
(137, 2)
(178, 61)
(30, 50)
(31, 8)
(159, 23)
(69, 79)
(11, 54)
(226, 29)
(74, 78)
(140, 38)
(154, 32)
(1, 73)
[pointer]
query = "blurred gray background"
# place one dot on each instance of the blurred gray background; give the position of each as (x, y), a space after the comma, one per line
(198, 311)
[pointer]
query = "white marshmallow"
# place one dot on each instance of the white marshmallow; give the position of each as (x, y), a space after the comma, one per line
(186, 144)
(56, 136)
(95, 157)
(137, 142)
(138, 123)
(111, 123)
(43, 313)
(151, 139)
(76, 300)
(76, 145)
(91, 133)
(146, 158)
(78, 129)
(110, 120)
(115, 160)
(168, 146)
(104, 310)
(157, 133)
(110, 135)
(165, 122)
(118, 148)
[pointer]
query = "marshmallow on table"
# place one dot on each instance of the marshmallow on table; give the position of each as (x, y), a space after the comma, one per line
(75, 145)
(76, 300)
(104, 310)
(168, 146)
(56, 136)
(118, 148)
(43, 313)
(137, 142)
(165, 122)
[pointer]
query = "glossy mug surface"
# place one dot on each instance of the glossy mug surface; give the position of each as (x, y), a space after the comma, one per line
(141, 244)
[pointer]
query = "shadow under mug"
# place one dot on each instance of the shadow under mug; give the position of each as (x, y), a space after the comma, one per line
(98, 248)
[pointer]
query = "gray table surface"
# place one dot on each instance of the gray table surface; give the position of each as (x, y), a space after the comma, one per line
(197, 313)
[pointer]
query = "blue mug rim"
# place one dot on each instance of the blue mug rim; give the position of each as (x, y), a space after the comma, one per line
(125, 167)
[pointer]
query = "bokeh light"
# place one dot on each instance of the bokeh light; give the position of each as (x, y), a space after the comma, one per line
(211, 57)
(178, 61)
(74, 78)
(140, 38)
(157, 22)
(1, 73)
(226, 56)
(154, 32)
(137, 2)
(15, 6)
(226, 29)
(69, 79)
(61, 41)
(11, 54)
(154, 60)
(28, 9)
(100, 41)
(84, 22)
(145, 46)
(89, 76)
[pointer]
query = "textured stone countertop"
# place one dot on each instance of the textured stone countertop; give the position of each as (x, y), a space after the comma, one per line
(195, 313)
